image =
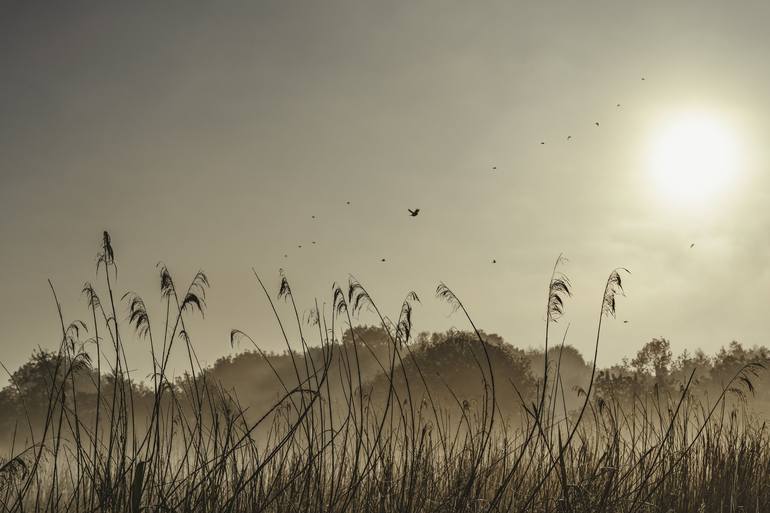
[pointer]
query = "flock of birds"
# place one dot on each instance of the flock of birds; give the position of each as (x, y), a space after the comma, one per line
(414, 212)
(569, 137)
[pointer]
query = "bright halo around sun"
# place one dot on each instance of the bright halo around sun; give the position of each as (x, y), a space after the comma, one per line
(693, 159)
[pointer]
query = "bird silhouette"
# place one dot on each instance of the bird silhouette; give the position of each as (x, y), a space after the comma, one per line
(382, 260)
(569, 137)
(414, 212)
(494, 261)
(625, 322)
(642, 78)
(692, 245)
(313, 217)
(313, 242)
(618, 105)
(596, 123)
(542, 142)
(347, 203)
(494, 168)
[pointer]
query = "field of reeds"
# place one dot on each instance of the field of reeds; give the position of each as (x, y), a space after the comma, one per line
(330, 444)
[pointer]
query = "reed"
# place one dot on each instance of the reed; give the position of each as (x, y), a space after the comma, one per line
(330, 443)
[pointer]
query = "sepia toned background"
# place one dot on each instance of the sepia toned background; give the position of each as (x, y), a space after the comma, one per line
(208, 136)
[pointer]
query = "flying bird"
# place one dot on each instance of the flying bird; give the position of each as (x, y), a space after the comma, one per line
(347, 203)
(382, 260)
(569, 137)
(542, 142)
(625, 322)
(596, 123)
(642, 78)
(692, 245)
(494, 261)
(618, 105)
(494, 168)
(313, 242)
(313, 217)
(414, 212)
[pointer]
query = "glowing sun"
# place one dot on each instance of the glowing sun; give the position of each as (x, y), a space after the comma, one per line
(693, 158)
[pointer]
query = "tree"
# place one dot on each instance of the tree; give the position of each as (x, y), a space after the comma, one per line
(654, 359)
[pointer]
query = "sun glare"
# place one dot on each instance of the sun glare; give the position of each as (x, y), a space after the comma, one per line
(693, 159)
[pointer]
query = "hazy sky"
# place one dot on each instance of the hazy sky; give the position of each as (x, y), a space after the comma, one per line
(206, 135)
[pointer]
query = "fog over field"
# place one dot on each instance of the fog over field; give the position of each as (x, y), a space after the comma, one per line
(354, 256)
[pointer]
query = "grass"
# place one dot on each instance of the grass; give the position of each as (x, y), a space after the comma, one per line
(329, 445)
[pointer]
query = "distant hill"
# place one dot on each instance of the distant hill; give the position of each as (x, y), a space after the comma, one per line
(446, 374)
(451, 366)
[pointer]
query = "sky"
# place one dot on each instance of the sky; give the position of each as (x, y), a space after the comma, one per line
(207, 136)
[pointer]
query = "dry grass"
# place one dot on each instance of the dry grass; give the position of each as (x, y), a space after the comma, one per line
(315, 450)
